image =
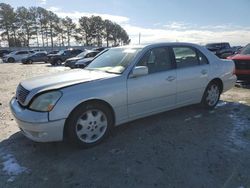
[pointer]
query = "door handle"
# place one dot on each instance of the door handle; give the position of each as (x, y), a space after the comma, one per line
(204, 72)
(170, 78)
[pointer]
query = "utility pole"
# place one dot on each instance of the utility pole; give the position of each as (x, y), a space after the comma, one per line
(139, 38)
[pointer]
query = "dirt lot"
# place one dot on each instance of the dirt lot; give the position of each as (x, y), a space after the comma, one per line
(188, 147)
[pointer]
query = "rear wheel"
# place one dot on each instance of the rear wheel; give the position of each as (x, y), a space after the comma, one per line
(211, 95)
(30, 61)
(89, 124)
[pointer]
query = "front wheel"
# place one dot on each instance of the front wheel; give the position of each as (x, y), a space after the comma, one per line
(211, 95)
(88, 124)
(11, 60)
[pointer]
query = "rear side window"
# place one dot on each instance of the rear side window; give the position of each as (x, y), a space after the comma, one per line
(202, 58)
(189, 57)
(185, 57)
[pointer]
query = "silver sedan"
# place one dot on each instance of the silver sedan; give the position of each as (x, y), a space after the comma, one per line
(120, 85)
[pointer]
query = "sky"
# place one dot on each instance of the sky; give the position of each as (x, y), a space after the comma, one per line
(197, 21)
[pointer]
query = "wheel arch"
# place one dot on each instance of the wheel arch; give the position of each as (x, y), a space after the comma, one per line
(218, 81)
(8, 60)
(90, 101)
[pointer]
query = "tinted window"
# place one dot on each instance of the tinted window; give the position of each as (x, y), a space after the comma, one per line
(185, 57)
(22, 52)
(40, 54)
(76, 52)
(157, 60)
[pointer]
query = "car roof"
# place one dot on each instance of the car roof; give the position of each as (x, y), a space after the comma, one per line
(160, 44)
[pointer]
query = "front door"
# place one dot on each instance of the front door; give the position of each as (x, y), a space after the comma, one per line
(156, 91)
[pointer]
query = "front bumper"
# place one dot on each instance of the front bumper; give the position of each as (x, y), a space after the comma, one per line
(35, 125)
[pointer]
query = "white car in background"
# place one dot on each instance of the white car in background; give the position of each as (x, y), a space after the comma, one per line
(17, 56)
(120, 85)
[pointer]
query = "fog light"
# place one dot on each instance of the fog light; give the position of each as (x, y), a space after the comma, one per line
(42, 134)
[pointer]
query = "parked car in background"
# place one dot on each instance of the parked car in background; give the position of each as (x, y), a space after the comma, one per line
(242, 63)
(86, 54)
(120, 85)
(17, 56)
(4, 52)
(222, 50)
(82, 63)
(36, 57)
(61, 56)
(237, 49)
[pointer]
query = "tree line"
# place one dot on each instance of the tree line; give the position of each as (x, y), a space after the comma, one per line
(39, 27)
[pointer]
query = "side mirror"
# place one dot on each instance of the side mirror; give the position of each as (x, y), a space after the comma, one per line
(139, 71)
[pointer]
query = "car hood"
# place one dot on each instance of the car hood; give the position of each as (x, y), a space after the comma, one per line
(240, 57)
(63, 79)
(85, 60)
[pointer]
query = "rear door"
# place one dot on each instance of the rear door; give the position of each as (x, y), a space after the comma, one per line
(156, 91)
(192, 74)
(20, 55)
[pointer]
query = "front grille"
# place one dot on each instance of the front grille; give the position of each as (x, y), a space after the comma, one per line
(242, 64)
(21, 94)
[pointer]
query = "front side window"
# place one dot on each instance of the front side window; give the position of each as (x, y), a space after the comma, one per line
(157, 60)
(185, 57)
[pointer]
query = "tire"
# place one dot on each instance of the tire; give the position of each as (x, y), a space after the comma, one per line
(211, 95)
(59, 62)
(11, 60)
(88, 125)
(30, 61)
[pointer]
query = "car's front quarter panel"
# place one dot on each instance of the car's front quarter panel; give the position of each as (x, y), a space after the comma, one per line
(112, 90)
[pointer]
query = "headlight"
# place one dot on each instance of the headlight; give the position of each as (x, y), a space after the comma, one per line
(45, 102)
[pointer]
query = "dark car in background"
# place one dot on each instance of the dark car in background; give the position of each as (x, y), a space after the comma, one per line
(82, 63)
(86, 54)
(242, 63)
(222, 50)
(36, 57)
(61, 56)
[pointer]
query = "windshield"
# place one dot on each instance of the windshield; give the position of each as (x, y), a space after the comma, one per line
(115, 60)
(60, 52)
(246, 50)
(83, 54)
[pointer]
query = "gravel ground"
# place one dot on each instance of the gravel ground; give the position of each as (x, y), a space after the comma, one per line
(187, 147)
